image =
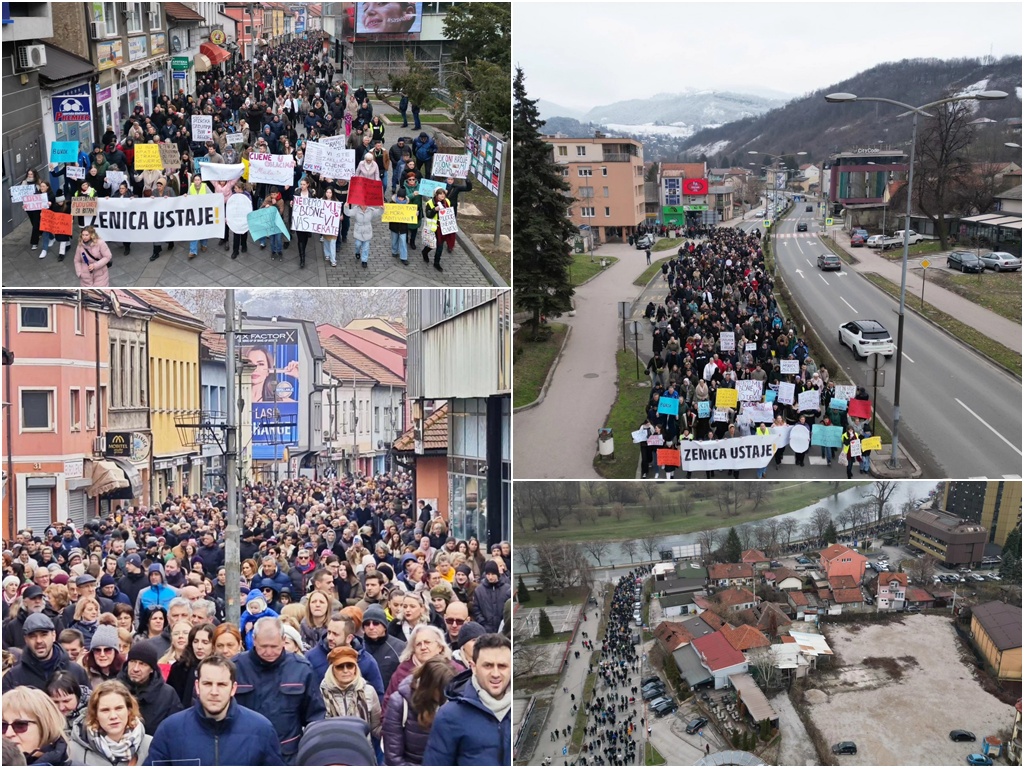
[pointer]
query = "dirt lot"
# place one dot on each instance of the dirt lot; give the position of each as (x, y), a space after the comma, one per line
(900, 690)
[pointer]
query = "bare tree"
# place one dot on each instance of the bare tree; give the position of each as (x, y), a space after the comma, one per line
(685, 503)
(765, 667)
(629, 546)
(920, 569)
(597, 549)
(619, 510)
(650, 490)
(529, 659)
(204, 303)
(562, 565)
(653, 510)
(819, 521)
(761, 536)
(761, 493)
(881, 492)
(788, 527)
(844, 519)
(773, 529)
(527, 556)
(707, 538)
(650, 544)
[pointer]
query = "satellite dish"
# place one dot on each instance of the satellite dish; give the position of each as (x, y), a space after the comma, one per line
(176, 44)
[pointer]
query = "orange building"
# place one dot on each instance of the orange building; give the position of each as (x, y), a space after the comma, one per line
(55, 408)
(838, 560)
(430, 465)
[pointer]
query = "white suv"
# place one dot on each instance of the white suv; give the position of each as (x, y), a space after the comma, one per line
(865, 337)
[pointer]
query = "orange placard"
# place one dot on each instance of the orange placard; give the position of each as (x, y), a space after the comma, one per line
(668, 457)
(55, 223)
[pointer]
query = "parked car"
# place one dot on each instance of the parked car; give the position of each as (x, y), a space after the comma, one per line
(976, 758)
(869, 600)
(827, 261)
(646, 241)
(865, 337)
(857, 241)
(665, 709)
(844, 748)
(858, 231)
(965, 261)
(874, 241)
(959, 735)
(801, 227)
(651, 679)
(1001, 261)
(696, 724)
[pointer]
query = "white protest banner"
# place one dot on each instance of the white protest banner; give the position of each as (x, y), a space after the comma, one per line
(656, 440)
(760, 413)
(236, 138)
(727, 341)
(640, 436)
(35, 202)
(749, 390)
(446, 218)
(116, 177)
(752, 452)
(810, 400)
(456, 166)
(337, 143)
(789, 366)
(855, 449)
(750, 346)
(238, 209)
(721, 414)
(202, 127)
(787, 391)
(846, 391)
(20, 192)
(329, 162)
(800, 439)
(221, 171)
(310, 214)
(265, 168)
(77, 172)
(781, 435)
(160, 219)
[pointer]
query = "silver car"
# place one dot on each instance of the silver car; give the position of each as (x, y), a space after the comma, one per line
(1000, 261)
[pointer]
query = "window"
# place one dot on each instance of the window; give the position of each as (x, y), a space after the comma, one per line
(247, 29)
(79, 318)
(75, 414)
(154, 18)
(110, 18)
(565, 172)
(586, 192)
(34, 318)
(37, 411)
(376, 419)
(604, 171)
(587, 212)
(133, 18)
(607, 212)
(581, 150)
(605, 191)
(90, 409)
(563, 151)
(586, 172)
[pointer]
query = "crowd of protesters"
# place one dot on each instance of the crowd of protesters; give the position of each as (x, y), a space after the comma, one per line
(358, 609)
(717, 282)
(290, 96)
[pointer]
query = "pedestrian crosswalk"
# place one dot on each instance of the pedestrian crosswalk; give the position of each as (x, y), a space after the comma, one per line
(801, 235)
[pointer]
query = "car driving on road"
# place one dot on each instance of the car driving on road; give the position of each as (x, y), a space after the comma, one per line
(801, 227)
(646, 241)
(865, 337)
(844, 748)
(827, 261)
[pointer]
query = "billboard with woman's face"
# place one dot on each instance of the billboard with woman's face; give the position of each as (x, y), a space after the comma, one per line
(274, 357)
(389, 18)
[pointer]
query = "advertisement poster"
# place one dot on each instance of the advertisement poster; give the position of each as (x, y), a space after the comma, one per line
(274, 355)
(109, 54)
(72, 105)
(138, 48)
(486, 151)
(389, 18)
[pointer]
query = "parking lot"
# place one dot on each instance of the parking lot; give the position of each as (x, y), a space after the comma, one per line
(900, 689)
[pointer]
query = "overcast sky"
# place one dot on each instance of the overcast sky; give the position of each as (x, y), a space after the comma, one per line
(590, 53)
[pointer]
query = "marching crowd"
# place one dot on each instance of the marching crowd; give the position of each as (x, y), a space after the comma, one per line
(287, 99)
(368, 634)
(719, 284)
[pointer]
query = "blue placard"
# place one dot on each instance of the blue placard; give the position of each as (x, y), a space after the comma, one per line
(829, 437)
(266, 222)
(197, 163)
(837, 403)
(72, 106)
(427, 187)
(64, 152)
(668, 405)
(770, 395)
(704, 409)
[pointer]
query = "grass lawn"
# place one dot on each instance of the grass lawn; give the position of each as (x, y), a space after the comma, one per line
(558, 637)
(625, 417)
(536, 684)
(570, 596)
(668, 243)
(651, 271)
(1004, 356)
(636, 522)
(651, 755)
(918, 249)
(585, 267)
(533, 360)
(997, 291)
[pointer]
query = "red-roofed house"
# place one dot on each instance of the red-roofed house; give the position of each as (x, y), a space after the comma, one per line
(842, 582)
(712, 619)
(431, 466)
(731, 574)
(890, 591)
(719, 657)
(745, 637)
(848, 599)
(919, 597)
(736, 599)
(671, 635)
(839, 560)
(782, 578)
(772, 619)
(756, 558)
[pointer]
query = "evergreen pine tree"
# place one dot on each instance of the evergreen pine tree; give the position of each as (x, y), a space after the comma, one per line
(544, 628)
(543, 232)
(732, 550)
(522, 591)
(830, 533)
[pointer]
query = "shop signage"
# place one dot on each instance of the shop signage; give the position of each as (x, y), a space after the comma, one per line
(74, 469)
(109, 54)
(180, 63)
(72, 105)
(158, 43)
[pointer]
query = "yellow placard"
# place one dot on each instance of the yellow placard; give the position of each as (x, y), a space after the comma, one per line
(726, 398)
(400, 213)
(871, 444)
(147, 158)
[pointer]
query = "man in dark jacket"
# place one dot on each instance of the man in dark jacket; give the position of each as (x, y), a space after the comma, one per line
(216, 729)
(341, 631)
(86, 584)
(475, 726)
(489, 598)
(385, 649)
(210, 554)
(109, 590)
(271, 571)
(141, 675)
(281, 686)
(134, 580)
(32, 601)
(41, 657)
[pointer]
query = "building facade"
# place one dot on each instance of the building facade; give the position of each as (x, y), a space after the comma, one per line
(948, 538)
(995, 504)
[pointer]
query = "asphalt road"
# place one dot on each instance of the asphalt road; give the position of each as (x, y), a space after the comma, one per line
(960, 415)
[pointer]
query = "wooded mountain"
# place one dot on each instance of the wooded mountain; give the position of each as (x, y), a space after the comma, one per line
(694, 108)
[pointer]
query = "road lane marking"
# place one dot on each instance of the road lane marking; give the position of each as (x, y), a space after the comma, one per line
(989, 426)
(907, 356)
(808, 262)
(848, 304)
(823, 279)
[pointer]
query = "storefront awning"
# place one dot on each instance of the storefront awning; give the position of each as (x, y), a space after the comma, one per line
(214, 53)
(203, 63)
(62, 66)
(132, 473)
(106, 477)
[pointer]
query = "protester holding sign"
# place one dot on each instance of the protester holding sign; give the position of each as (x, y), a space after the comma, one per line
(455, 188)
(32, 178)
(302, 236)
(162, 189)
(274, 200)
(400, 230)
(432, 211)
(43, 188)
(92, 256)
(197, 187)
(240, 238)
(331, 241)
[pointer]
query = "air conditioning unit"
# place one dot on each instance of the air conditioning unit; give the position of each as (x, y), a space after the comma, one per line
(98, 30)
(99, 444)
(31, 56)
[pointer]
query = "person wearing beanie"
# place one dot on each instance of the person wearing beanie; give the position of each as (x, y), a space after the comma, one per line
(103, 661)
(463, 586)
(110, 590)
(346, 693)
(440, 596)
(12, 585)
(386, 649)
(294, 636)
(141, 675)
(467, 639)
(489, 598)
(256, 608)
(134, 579)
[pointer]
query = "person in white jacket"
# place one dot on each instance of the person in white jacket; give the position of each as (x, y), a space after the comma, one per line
(362, 217)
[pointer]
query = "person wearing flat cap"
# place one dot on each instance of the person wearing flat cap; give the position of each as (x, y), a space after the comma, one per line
(41, 657)
(86, 584)
(32, 602)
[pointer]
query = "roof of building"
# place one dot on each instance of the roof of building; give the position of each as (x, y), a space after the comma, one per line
(717, 571)
(752, 697)
(842, 582)
(710, 618)
(359, 360)
(918, 595)
(781, 574)
(745, 637)
(690, 668)
(811, 644)
(716, 651)
(213, 342)
(944, 520)
(682, 598)
(705, 624)
(165, 304)
(61, 65)
(798, 598)
(1001, 622)
(181, 12)
(888, 577)
(838, 550)
(435, 433)
(734, 596)
(847, 595)
(754, 556)
(686, 170)
(771, 614)
(671, 635)
(676, 585)
(1013, 193)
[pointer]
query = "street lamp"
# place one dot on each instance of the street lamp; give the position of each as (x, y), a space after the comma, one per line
(775, 200)
(839, 98)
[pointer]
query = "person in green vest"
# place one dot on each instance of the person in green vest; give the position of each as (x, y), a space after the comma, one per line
(197, 187)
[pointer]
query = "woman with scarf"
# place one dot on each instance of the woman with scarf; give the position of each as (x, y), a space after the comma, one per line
(35, 725)
(70, 696)
(347, 694)
(182, 677)
(411, 711)
(104, 660)
(426, 642)
(153, 627)
(111, 732)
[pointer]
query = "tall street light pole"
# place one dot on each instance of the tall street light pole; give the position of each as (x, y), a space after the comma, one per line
(839, 98)
(232, 534)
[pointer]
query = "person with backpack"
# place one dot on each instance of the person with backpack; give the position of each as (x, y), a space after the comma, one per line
(423, 150)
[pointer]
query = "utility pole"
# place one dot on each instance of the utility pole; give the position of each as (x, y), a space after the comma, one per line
(232, 535)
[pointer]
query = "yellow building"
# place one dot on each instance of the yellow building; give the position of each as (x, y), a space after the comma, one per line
(174, 335)
(996, 633)
(995, 504)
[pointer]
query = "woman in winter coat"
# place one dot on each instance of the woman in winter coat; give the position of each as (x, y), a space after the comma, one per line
(111, 732)
(426, 642)
(70, 696)
(42, 741)
(318, 614)
(103, 661)
(182, 677)
(153, 627)
(92, 256)
(302, 237)
(346, 693)
(276, 245)
(432, 210)
(411, 710)
(33, 216)
(362, 217)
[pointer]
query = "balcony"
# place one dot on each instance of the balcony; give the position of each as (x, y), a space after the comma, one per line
(618, 157)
